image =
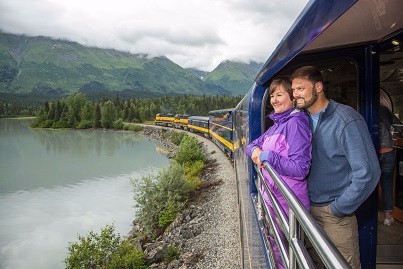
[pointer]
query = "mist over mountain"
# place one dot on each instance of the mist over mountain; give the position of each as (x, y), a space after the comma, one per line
(234, 76)
(54, 68)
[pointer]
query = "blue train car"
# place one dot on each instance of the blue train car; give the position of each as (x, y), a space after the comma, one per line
(199, 124)
(221, 129)
(358, 47)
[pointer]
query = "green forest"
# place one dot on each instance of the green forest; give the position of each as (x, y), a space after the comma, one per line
(76, 111)
(11, 109)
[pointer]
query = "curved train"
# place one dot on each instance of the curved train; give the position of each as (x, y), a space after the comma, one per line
(218, 126)
(358, 47)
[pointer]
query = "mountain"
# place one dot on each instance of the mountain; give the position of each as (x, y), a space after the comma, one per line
(235, 76)
(53, 67)
(197, 72)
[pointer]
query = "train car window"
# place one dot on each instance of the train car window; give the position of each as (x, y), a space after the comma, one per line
(340, 80)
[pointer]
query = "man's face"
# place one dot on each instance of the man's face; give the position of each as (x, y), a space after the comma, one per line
(304, 92)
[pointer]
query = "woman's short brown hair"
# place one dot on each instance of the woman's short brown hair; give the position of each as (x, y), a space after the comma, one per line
(285, 81)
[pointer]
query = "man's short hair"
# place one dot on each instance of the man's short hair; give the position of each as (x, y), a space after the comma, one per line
(309, 72)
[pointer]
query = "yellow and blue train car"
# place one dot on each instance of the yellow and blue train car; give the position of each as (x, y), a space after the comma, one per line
(165, 119)
(221, 129)
(198, 124)
(181, 121)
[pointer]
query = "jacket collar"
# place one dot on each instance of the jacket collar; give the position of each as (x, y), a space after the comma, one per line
(331, 107)
(276, 117)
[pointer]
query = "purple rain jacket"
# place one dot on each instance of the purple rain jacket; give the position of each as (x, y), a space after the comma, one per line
(286, 145)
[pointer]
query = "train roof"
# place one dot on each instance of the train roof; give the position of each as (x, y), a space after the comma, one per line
(182, 115)
(198, 118)
(334, 23)
(221, 111)
(165, 114)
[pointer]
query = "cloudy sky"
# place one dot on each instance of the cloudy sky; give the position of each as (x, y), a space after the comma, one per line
(192, 33)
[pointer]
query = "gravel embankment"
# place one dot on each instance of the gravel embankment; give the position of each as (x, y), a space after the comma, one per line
(220, 237)
(211, 238)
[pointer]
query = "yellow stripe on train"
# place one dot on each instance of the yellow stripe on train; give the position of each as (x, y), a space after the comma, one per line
(202, 129)
(171, 119)
(183, 121)
(222, 140)
(222, 126)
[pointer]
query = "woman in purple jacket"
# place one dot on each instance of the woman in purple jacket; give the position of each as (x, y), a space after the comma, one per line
(286, 145)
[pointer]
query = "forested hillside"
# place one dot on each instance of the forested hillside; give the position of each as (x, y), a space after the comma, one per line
(55, 68)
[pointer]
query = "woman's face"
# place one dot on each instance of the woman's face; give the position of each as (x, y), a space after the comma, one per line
(280, 100)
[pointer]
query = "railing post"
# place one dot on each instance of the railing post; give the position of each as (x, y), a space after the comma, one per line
(292, 234)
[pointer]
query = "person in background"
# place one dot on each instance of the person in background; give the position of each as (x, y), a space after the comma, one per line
(345, 168)
(387, 161)
(286, 145)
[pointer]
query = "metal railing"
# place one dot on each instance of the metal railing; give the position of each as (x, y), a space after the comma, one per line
(288, 233)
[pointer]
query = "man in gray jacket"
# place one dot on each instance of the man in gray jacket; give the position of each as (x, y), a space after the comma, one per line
(345, 168)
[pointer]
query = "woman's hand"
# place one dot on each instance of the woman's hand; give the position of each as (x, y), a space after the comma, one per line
(255, 157)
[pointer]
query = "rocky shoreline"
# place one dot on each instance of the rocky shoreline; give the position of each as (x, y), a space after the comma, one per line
(206, 232)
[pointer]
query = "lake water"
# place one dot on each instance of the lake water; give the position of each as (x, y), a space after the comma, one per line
(56, 184)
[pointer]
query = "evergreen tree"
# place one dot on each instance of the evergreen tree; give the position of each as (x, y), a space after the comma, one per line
(97, 116)
(126, 111)
(75, 102)
(46, 108)
(108, 114)
(87, 111)
(57, 111)
(52, 111)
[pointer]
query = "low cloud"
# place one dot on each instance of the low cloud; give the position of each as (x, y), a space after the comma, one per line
(198, 33)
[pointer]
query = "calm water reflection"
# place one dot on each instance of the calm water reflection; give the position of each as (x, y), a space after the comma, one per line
(55, 184)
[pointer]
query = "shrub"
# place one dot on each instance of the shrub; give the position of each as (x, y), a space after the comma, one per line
(171, 253)
(159, 198)
(104, 250)
(189, 151)
(193, 169)
(168, 214)
(127, 256)
(47, 124)
(118, 124)
(62, 123)
(84, 124)
(39, 118)
(194, 182)
(192, 173)
(164, 133)
(133, 127)
(176, 137)
(146, 202)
